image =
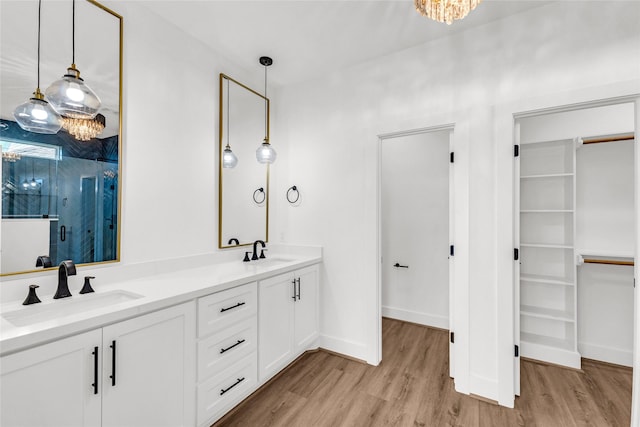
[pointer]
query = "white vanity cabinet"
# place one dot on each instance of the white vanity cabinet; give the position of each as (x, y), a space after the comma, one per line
(227, 350)
(288, 318)
(52, 385)
(145, 379)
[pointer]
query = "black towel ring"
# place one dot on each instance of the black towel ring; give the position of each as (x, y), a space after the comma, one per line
(293, 188)
(264, 196)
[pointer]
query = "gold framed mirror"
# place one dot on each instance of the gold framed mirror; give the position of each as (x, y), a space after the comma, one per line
(61, 194)
(243, 191)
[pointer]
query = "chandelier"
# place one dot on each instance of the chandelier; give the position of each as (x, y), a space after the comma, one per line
(445, 10)
(10, 156)
(84, 129)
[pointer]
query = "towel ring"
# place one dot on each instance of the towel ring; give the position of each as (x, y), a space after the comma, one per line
(289, 197)
(264, 196)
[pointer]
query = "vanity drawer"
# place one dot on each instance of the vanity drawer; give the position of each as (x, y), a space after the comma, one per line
(222, 392)
(220, 350)
(222, 309)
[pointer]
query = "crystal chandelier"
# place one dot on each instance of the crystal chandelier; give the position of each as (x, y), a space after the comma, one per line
(445, 10)
(10, 156)
(84, 129)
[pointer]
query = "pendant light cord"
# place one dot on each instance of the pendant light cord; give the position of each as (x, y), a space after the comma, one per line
(39, 13)
(228, 113)
(266, 103)
(73, 32)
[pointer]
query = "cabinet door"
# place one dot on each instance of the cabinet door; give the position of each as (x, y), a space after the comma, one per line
(306, 308)
(154, 367)
(275, 330)
(52, 385)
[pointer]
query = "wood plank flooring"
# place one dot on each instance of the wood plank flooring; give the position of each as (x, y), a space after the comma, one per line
(411, 387)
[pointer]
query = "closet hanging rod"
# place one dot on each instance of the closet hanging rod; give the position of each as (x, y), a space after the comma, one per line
(607, 261)
(612, 138)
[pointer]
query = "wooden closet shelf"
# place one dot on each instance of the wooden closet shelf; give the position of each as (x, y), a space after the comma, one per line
(607, 261)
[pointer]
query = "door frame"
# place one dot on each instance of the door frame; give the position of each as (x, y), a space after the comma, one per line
(505, 116)
(450, 127)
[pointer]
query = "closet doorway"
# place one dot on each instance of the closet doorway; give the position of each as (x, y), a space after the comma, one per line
(415, 194)
(575, 231)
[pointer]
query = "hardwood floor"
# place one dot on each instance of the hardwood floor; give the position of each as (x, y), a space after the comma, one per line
(411, 387)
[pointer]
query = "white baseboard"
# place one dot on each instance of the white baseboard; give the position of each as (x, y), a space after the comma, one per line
(353, 349)
(606, 354)
(416, 317)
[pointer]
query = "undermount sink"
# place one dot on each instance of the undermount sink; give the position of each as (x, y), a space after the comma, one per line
(271, 261)
(57, 309)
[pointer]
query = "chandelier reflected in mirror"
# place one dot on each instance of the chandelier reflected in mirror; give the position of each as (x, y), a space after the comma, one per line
(84, 129)
(445, 10)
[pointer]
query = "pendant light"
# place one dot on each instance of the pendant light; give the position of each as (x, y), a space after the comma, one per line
(70, 96)
(265, 152)
(229, 159)
(36, 115)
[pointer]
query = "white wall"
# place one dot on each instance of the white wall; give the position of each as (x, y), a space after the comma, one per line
(331, 126)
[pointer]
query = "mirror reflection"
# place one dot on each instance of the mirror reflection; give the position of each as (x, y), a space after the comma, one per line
(244, 188)
(60, 192)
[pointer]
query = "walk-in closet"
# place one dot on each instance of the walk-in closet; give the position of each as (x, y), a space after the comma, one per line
(574, 231)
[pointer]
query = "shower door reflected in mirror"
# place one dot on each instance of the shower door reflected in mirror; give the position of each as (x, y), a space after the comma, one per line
(243, 190)
(60, 194)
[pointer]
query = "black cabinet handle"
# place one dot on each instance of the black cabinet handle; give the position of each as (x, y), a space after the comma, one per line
(63, 233)
(397, 265)
(224, 390)
(222, 310)
(95, 370)
(113, 363)
(298, 280)
(294, 290)
(222, 350)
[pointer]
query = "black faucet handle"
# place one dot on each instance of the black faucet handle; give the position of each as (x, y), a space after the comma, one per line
(86, 288)
(32, 298)
(69, 266)
(246, 257)
(262, 253)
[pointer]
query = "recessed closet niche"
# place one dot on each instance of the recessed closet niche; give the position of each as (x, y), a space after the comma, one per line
(575, 226)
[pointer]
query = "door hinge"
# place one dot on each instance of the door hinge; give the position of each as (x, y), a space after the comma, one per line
(451, 338)
(516, 150)
(517, 351)
(451, 250)
(451, 157)
(516, 254)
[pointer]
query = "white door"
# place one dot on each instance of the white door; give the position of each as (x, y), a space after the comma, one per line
(415, 227)
(306, 308)
(53, 384)
(146, 377)
(275, 320)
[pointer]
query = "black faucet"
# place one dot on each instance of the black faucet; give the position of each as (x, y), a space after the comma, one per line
(233, 240)
(255, 250)
(67, 268)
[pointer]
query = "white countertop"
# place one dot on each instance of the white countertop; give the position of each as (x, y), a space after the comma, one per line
(158, 291)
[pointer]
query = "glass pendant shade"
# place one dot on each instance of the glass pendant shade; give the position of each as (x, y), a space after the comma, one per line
(70, 97)
(36, 115)
(265, 153)
(229, 159)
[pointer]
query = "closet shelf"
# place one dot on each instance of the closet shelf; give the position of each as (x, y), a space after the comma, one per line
(546, 211)
(547, 280)
(546, 313)
(552, 141)
(547, 341)
(544, 246)
(550, 175)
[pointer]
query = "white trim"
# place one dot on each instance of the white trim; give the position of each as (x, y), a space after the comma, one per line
(635, 399)
(619, 356)
(354, 349)
(425, 319)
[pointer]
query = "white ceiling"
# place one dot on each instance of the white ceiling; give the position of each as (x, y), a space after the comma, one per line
(306, 38)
